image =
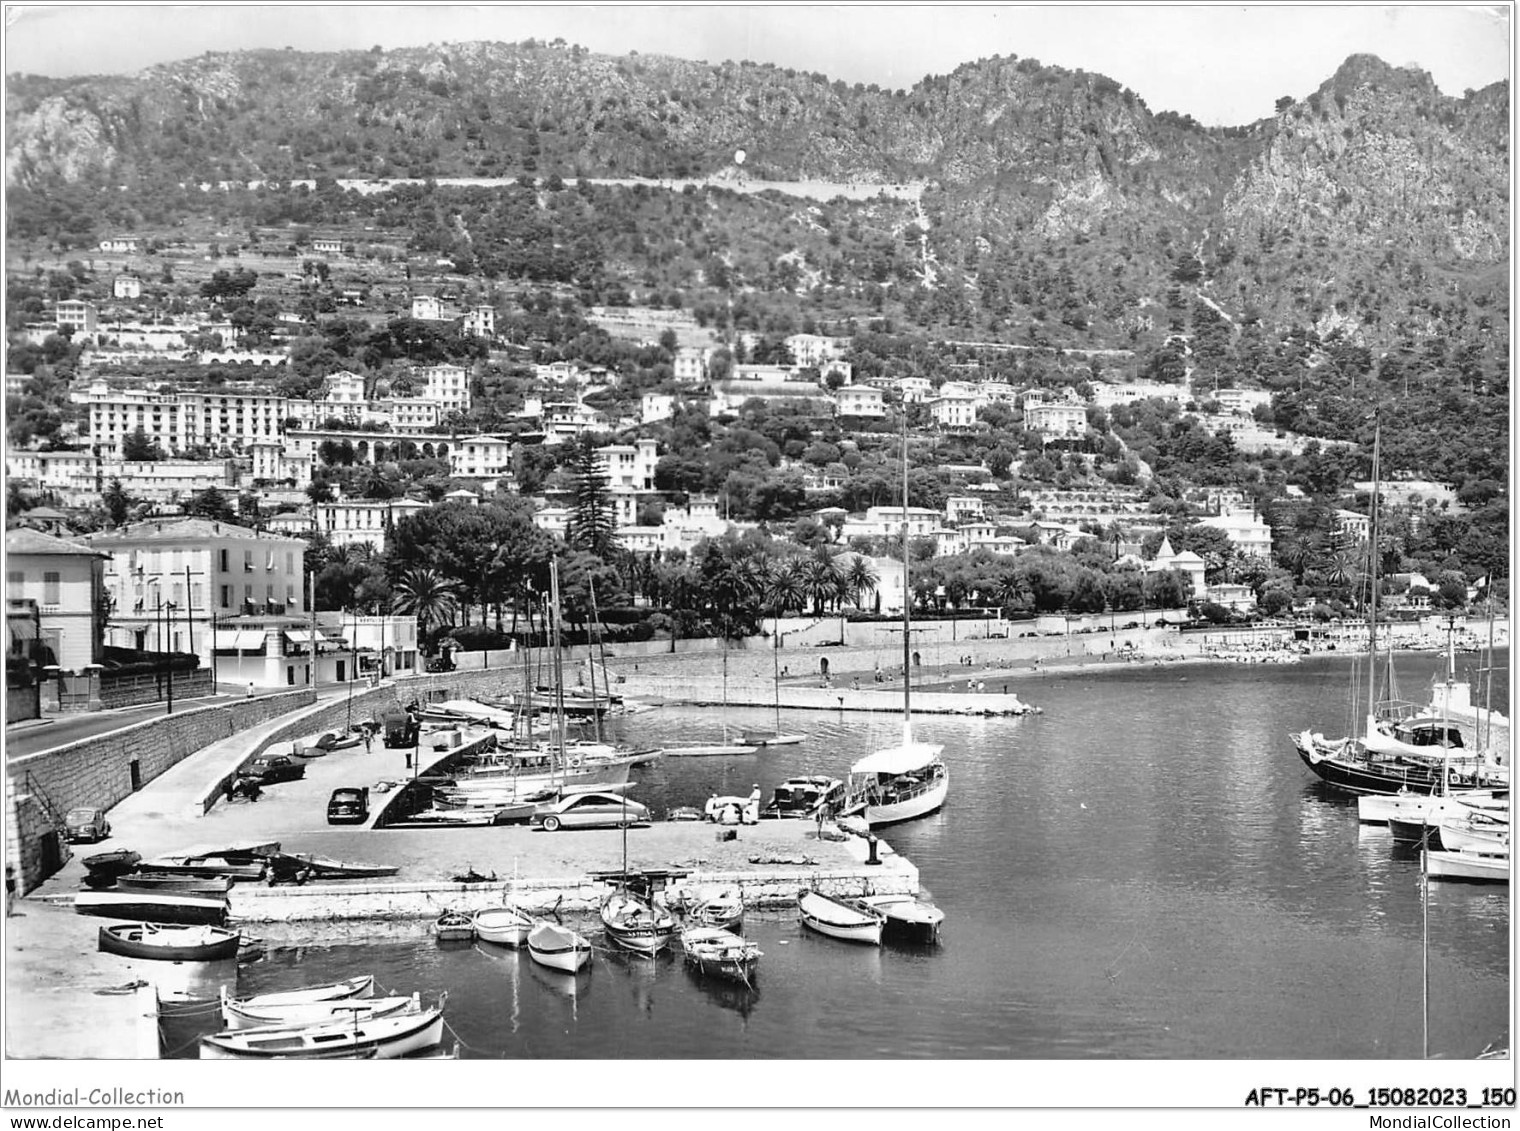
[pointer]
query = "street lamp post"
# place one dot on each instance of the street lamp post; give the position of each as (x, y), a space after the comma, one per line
(168, 608)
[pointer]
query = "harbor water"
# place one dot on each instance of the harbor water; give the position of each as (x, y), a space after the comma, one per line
(1143, 870)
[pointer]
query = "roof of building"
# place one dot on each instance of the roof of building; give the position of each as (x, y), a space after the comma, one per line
(24, 540)
(180, 530)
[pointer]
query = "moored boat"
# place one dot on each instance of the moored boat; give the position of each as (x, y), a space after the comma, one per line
(324, 867)
(636, 924)
(721, 907)
(381, 1038)
(721, 953)
(770, 738)
(454, 926)
(909, 919)
(241, 1015)
(1468, 864)
(508, 925)
(557, 947)
(362, 986)
(153, 906)
(847, 919)
(899, 783)
(803, 797)
(203, 943)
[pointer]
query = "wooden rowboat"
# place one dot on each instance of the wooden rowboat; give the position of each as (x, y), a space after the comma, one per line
(846, 919)
(117, 863)
(508, 925)
(909, 919)
(200, 885)
(169, 944)
(558, 948)
(153, 906)
(721, 953)
(454, 926)
(360, 987)
(241, 1015)
(379, 1038)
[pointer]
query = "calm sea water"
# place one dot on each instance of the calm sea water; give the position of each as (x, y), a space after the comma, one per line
(1145, 870)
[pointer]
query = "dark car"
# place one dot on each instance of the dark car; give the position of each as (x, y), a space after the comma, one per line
(86, 825)
(267, 769)
(348, 807)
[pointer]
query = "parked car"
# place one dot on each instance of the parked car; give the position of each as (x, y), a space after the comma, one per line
(86, 825)
(348, 807)
(591, 811)
(267, 769)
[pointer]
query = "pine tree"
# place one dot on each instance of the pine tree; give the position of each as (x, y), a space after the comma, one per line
(592, 526)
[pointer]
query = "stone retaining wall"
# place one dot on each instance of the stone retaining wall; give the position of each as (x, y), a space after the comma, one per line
(316, 903)
(98, 771)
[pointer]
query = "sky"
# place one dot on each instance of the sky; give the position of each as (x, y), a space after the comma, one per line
(1223, 65)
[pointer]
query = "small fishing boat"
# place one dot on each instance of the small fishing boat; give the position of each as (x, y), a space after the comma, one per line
(721, 953)
(721, 908)
(117, 863)
(360, 987)
(240, 1015)
(209, 865)
(847, 919)
(153, 906)
(380, 1038)
(909, 919)
(636, 924)
(454, 926)
(331, 741)
(508, 926)
(1468, 864)
(713, 750)
(326, 868)
(200, 885)
(169, 944)
(557, 947)
(770, 738)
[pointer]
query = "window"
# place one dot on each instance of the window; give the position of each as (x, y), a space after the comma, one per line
(50, 588)
(224, 566)
(290, 562)
(226, 596)
(247, 561)
(15, 579)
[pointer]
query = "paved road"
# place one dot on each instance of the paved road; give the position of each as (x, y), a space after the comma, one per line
(29, 738)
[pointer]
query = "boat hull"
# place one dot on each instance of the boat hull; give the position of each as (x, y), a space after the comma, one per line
(505, 926)
(1352, 775)
(634, 924)
(382, 1038)
(236, 1015)
(921, 804)
(361, 987)
(173, 944)
(840, 920)
(558, 948)
(1480, 867)
(154, 907)
(909, 920)
(721, 954)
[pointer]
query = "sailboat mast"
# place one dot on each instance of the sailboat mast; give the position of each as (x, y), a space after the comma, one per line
(596, 621)
(1487, 738)
(907, 590)
(1372, 593)
(559, 671)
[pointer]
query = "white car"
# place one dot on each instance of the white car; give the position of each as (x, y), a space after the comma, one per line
(591, 811)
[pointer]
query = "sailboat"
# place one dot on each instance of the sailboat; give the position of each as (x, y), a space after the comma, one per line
(1390, 756)
(776, 737)
(911, 780)
(632, 920)
(715, 749)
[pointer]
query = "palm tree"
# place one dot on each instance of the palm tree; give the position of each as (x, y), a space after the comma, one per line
(822, 579)
(427, 595)
(862, 578)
